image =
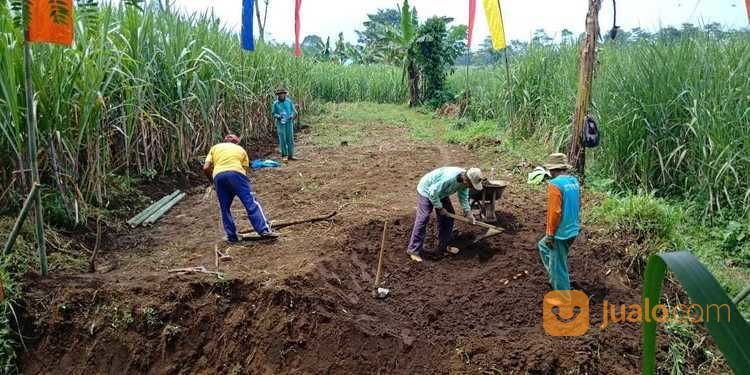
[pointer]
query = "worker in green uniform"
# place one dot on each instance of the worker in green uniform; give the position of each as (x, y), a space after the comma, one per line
(284, 114)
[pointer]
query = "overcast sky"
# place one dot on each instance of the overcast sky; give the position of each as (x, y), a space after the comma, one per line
(522, 17)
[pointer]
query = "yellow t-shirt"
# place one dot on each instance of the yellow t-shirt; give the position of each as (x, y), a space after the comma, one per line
(226, 157)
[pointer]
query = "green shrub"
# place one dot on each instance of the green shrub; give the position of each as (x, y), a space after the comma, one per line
(651, 221)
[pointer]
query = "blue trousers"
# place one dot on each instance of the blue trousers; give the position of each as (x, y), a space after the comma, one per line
(445, 225)
(234, 184)
(286, 138)
(555, 261)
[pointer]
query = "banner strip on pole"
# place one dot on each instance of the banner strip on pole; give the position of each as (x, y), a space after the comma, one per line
(51, 23)
(472, 18)
(246, 35)
(297, 28)
(495, 22)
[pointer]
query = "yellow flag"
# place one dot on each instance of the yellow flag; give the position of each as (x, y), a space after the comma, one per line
(495, 22)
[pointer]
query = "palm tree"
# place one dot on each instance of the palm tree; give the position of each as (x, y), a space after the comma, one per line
(401, 46)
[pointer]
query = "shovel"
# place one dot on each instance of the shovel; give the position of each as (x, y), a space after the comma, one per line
(491, 229)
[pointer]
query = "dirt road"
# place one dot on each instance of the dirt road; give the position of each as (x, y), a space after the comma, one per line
(302, 304)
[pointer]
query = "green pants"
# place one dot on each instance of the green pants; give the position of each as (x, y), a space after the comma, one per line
(286, 138)
(555, 261)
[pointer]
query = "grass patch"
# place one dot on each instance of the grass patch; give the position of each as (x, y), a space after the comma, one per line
(659, 225)
(352, 122)
(651, 220)
(12, 266)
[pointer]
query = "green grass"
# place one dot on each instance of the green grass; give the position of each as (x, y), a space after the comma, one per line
(650, 220)
(659, 225)
(11, 267)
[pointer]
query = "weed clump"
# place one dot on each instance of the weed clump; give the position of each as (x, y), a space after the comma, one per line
(652, 221)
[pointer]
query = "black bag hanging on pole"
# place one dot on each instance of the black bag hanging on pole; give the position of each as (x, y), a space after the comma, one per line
(590, 132)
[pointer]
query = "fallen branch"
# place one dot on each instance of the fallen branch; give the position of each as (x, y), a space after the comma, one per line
(288, 223)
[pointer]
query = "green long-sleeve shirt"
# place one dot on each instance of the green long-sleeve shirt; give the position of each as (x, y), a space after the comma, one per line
(284, 110)
(441, 183)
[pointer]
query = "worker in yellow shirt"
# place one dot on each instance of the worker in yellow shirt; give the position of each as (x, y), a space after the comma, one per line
(226, 167)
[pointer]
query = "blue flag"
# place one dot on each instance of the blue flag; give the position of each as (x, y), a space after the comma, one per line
(246, 35)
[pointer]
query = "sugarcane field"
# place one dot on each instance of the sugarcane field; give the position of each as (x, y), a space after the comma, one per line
(374, 187)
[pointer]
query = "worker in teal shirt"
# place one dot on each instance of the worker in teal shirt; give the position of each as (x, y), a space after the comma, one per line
(284, 114)
(434, 191)
(563, 221)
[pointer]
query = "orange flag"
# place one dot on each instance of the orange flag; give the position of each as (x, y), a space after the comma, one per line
(51, 23)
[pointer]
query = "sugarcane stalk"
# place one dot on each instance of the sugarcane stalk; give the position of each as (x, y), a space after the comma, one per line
(20, 219)
(31, 126)
(143, 215)
(166, 207)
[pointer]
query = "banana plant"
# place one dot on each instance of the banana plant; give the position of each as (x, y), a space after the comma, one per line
(732, 335)
(401, 44)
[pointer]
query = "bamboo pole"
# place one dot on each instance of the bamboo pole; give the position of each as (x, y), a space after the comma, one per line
(468, 86)
(143, 215)
(161, 211)
(509, 84)
(577, 153)
(20, 219)
(32, 126)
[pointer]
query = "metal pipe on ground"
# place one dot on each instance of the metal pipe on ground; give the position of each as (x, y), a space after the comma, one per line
(166, 207)
(148, 211)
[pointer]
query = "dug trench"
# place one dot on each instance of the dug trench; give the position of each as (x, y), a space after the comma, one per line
(303, 304)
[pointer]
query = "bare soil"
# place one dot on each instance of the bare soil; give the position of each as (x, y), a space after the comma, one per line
(303, 304)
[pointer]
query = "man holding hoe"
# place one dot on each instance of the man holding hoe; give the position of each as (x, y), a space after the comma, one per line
(563, 221)
(226, 167)
(284, 114)
(434, 191)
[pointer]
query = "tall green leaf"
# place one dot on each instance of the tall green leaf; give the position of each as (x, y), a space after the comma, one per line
(732, 336)
(407, 22)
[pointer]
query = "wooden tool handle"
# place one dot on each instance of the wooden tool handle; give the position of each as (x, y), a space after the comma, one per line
(380, 257)
(478, 223)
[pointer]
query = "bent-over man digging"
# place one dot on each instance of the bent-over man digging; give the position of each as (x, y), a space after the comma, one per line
(226, 167)
(434, 191)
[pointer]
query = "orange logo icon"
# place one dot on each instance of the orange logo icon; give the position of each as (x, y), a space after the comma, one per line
(565, 313)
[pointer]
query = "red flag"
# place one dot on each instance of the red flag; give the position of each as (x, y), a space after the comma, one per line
(747, 5)
(472, 16)
(297, 26)
(46, 26)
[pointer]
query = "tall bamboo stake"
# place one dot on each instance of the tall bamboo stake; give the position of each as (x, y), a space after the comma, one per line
(31, 124)
(509, 84)
(577, 153)
(468, 86)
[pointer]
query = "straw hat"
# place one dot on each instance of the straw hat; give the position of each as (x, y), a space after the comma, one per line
(557, 161)
(281, 90)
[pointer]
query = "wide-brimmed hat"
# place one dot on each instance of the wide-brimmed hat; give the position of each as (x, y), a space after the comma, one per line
(557, 161)
(475, 176)
(281, 90)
